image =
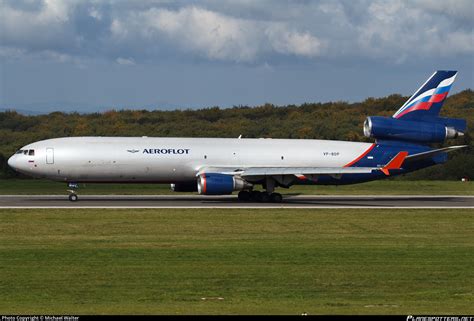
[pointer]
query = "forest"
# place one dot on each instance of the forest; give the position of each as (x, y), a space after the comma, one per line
(331, 120)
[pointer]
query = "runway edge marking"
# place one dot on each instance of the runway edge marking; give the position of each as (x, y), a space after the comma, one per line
(236, 207)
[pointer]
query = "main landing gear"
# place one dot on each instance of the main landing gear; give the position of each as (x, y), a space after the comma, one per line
(264, 197)
(257, 196)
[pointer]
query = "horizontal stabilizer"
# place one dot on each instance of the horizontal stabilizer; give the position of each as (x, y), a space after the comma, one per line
(431, 153)
(394, 163)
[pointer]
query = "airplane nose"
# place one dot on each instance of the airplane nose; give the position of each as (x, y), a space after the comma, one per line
(11, 162)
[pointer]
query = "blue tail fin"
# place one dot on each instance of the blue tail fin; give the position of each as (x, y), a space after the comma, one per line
(427, 101)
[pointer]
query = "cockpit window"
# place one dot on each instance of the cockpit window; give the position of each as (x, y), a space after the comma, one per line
(31, 152)
(25, 152)
(19, 151)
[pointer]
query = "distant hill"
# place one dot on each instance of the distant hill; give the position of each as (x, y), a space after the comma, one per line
(82, 108)
(20, 111)
(332, 120)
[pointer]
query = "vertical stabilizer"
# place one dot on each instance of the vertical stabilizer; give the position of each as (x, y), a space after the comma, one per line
(427, 101)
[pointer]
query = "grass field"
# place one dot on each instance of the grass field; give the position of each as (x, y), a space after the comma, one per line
(157, 261)
(383, 187)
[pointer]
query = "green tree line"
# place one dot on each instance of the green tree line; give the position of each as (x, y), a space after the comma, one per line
(332, 120)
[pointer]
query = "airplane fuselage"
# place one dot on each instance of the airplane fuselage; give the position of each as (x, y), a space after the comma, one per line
(171, 160)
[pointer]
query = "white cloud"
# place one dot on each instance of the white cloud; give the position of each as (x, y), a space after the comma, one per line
(399, 28)
(52, 13)
(243, 31)
(125, 61)
(14, 53)
(44, 28)
(458, 9)
(213, 35)
(216, 36)
(291, 42)
(95, 13)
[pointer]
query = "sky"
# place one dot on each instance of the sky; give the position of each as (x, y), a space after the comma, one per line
(90, 55)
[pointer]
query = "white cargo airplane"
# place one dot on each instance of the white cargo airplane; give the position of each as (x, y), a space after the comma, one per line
(218, 166)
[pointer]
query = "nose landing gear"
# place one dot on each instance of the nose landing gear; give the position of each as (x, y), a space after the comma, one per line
(73, 197)
(72, 191)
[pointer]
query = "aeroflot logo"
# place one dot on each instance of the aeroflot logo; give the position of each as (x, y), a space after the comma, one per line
(179, 151)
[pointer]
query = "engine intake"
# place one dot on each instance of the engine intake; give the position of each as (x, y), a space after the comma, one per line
(434, 131)
(220, 184)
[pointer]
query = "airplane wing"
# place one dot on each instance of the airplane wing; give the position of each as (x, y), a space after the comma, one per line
(394, 163)
(268, 171)
(431, 153)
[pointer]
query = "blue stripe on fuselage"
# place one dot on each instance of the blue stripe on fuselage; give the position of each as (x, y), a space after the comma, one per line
(380, 155)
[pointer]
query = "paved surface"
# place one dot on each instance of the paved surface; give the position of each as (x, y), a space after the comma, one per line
(197, 201)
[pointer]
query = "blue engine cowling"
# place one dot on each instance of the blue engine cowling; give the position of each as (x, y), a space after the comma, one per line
(433, 131)
(220, 184)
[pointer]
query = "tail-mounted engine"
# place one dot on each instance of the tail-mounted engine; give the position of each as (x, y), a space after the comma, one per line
(433, 130)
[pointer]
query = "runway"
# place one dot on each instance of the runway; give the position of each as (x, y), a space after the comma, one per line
(197, 201)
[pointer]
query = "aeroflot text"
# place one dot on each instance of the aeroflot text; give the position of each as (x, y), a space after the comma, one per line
(166, 151)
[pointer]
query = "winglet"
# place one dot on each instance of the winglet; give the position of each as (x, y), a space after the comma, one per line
(394, 163)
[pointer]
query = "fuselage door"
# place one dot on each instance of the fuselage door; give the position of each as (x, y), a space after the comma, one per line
(49, 155)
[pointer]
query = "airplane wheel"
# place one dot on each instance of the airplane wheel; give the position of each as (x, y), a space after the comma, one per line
(255, 196)
(264, 197)
(244, 196)
(276, 197)
(73, 197)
